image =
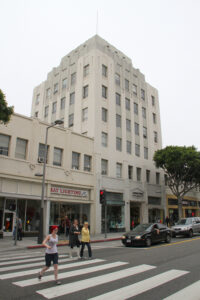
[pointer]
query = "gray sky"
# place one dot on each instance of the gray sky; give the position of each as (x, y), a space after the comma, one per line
(162, 37)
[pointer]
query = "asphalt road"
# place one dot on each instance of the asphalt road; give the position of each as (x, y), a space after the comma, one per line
(115, 272)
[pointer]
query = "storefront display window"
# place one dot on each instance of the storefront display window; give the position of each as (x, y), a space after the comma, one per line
(32, 215)
(155, 215)
(1, 213)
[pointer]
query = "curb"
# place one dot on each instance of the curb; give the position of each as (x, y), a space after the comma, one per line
(65, 244)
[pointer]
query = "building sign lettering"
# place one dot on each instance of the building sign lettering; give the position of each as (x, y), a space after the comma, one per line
(68, 192)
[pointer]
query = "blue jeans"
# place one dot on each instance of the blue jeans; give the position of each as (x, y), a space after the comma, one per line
(89, 249)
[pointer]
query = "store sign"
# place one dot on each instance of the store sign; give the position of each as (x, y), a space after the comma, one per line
(137, 193)
(68, 192)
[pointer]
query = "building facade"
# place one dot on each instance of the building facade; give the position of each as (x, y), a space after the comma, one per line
(69, 184)
(97, 92)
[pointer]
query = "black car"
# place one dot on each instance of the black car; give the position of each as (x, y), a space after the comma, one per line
(147, 234)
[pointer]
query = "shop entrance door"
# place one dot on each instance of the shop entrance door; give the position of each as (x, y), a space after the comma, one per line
(134, 216)
(9, 221)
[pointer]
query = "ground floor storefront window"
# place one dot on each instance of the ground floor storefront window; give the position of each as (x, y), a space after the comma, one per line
(156, 215)
(134, 215)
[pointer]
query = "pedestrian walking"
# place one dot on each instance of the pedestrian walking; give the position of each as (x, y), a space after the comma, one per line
(167, 221)
(51, 253)
(73, 238)
(19, 226)
(85, 240)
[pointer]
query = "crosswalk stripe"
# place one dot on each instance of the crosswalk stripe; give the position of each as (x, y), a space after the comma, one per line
(191, 292)
(26, 266)
(13, 257)
(91, 282)
(21, 261)
(70, 274)
(60, 267)
(142, 286)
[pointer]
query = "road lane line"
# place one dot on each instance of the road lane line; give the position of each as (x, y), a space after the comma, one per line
(79, 272)
(175, 243)
(69, 288)
(191, 292)
(61, 267)
(141, 286)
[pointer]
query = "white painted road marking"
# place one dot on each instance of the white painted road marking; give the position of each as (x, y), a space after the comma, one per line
(191, 292)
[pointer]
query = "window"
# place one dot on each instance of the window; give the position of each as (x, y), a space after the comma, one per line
(135, 108)
(48, 93)
(155, 136)
(147, 176)
(57, 156)
(36, 114)
(153, 100)
(157, 178)
(145, 153)
(137, 129)
(144, 132)
(73, 78)
(118, 144)
(117, 79)
(87, 163)
(46, 111)
(37, 100)
(128, 125)
(62, 103)
(84, 114)
(128, 104)
(4, 144)
(130, 172)
(64, 83)
(72, 98)
(41, 152)
(154, 118)
(127, 85)
(104, 91)
(85, 91)
(166, 179)
(55, 90)
(71, 120)
(75, 160)
(104, 167)
(85, 70)
(128, 147)
(104, 114)
(118, 99)
(137, 150)
(21, 146)
(135, 89)
(119, 170)
(144, 112)
(104, 70)
(104, 139)
(143, 94)
(118, 121)
(54, 107)
(138, 174)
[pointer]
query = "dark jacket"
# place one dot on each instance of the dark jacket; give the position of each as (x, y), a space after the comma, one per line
(73, 238)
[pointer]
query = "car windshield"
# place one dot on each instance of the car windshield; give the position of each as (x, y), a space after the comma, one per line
(142, 227)
(184, 222)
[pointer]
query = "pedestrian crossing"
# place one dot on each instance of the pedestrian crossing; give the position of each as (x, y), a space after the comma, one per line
(106, 279)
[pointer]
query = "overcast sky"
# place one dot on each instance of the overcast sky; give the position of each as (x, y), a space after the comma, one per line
(162, 37)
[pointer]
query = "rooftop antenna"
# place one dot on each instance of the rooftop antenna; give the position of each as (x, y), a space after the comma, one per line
(97, 24)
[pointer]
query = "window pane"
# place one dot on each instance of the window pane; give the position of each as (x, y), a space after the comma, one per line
(85, 91)
(75, 160)
(104, 114)
(86, 70)
(55, 88)
(144, 132)
(72, 98)
(118, 121)
(54, 107)
(73, 78)
(128, 125)
(62, 103)
(145, 153)
(126, 84)
(135, 89)
(137, 150)
(57, 157)
(104, 70)
(4, 144)
(137, 129)
(117, 79)
(143, 94)
(104, 91)
(20, 151)
(84, 114)
(71, 120)
(104, 167)
(46, 111)
(119, 144)
(41, 152)
(64, 83)
(104, 139)
(128, 147)
(138, 171)
(130, 172)
(128, 105)
(136, 108)
(118, 99)
(144, 112)
(118, 170)
(87, 163)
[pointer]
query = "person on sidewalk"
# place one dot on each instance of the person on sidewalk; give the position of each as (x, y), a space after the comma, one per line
(19, 226)
(51, 253)
(73, 238)
(85, 240)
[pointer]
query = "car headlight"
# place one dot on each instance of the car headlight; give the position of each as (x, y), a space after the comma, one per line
(123, 237)
(138, 237)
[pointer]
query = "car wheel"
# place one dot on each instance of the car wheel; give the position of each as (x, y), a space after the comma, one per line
(168, 238)
(190, 234)
(148, 242)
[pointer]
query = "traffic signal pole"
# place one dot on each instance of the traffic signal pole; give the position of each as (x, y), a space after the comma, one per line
(105, 220)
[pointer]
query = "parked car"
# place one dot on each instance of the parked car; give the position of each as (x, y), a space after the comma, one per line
(147, 234)
(186, 227)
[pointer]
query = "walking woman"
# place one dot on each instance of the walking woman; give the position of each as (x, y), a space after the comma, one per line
(50, 242)
(85, 240)
(73, 238)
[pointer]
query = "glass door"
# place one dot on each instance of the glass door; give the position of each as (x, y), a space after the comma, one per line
(9, 221)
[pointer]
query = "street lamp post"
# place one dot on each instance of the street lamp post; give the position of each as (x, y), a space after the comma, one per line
(41, 226)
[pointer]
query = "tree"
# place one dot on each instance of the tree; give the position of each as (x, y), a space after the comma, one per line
(182, 168)
(5, 110)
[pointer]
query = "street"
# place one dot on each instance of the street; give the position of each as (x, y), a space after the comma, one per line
(115, 272)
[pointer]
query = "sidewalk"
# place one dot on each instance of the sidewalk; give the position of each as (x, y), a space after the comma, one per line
(7, 243)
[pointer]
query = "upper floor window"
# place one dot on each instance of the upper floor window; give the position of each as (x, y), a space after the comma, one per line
(64, 83)
(147, 176)
(153, 100)
(118, 144)
(128, 103)
(48, 93)
(73, 78)
(137, 131)
(130, 172)
(155, 136)
(84, 114)
(46, 111)
(137, 150)
(118, 99)
(57, 156)
(117, 79)
(55, 88)
(154, 118)
(127, 85)
(118, 121)
(135, 89)
(138, 174)
(41, 152)
(21, 146)
(135, 108)
(71, 120)
(128, 147)
(143, 94)
(36, 114)
(144, 112)
(4, 144)
(87, 162)
(157, 178)
(104, 167)
(104, 139)
(85, 70)
(145, 153)
(72, 98)
(85, 91)
(62, 103)
(104, 70)
(128, 125)
(144, 132)
(54, 107)
(75, 160)
(37, 100)
(104, 114)
(118, 170)
(104, 91)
